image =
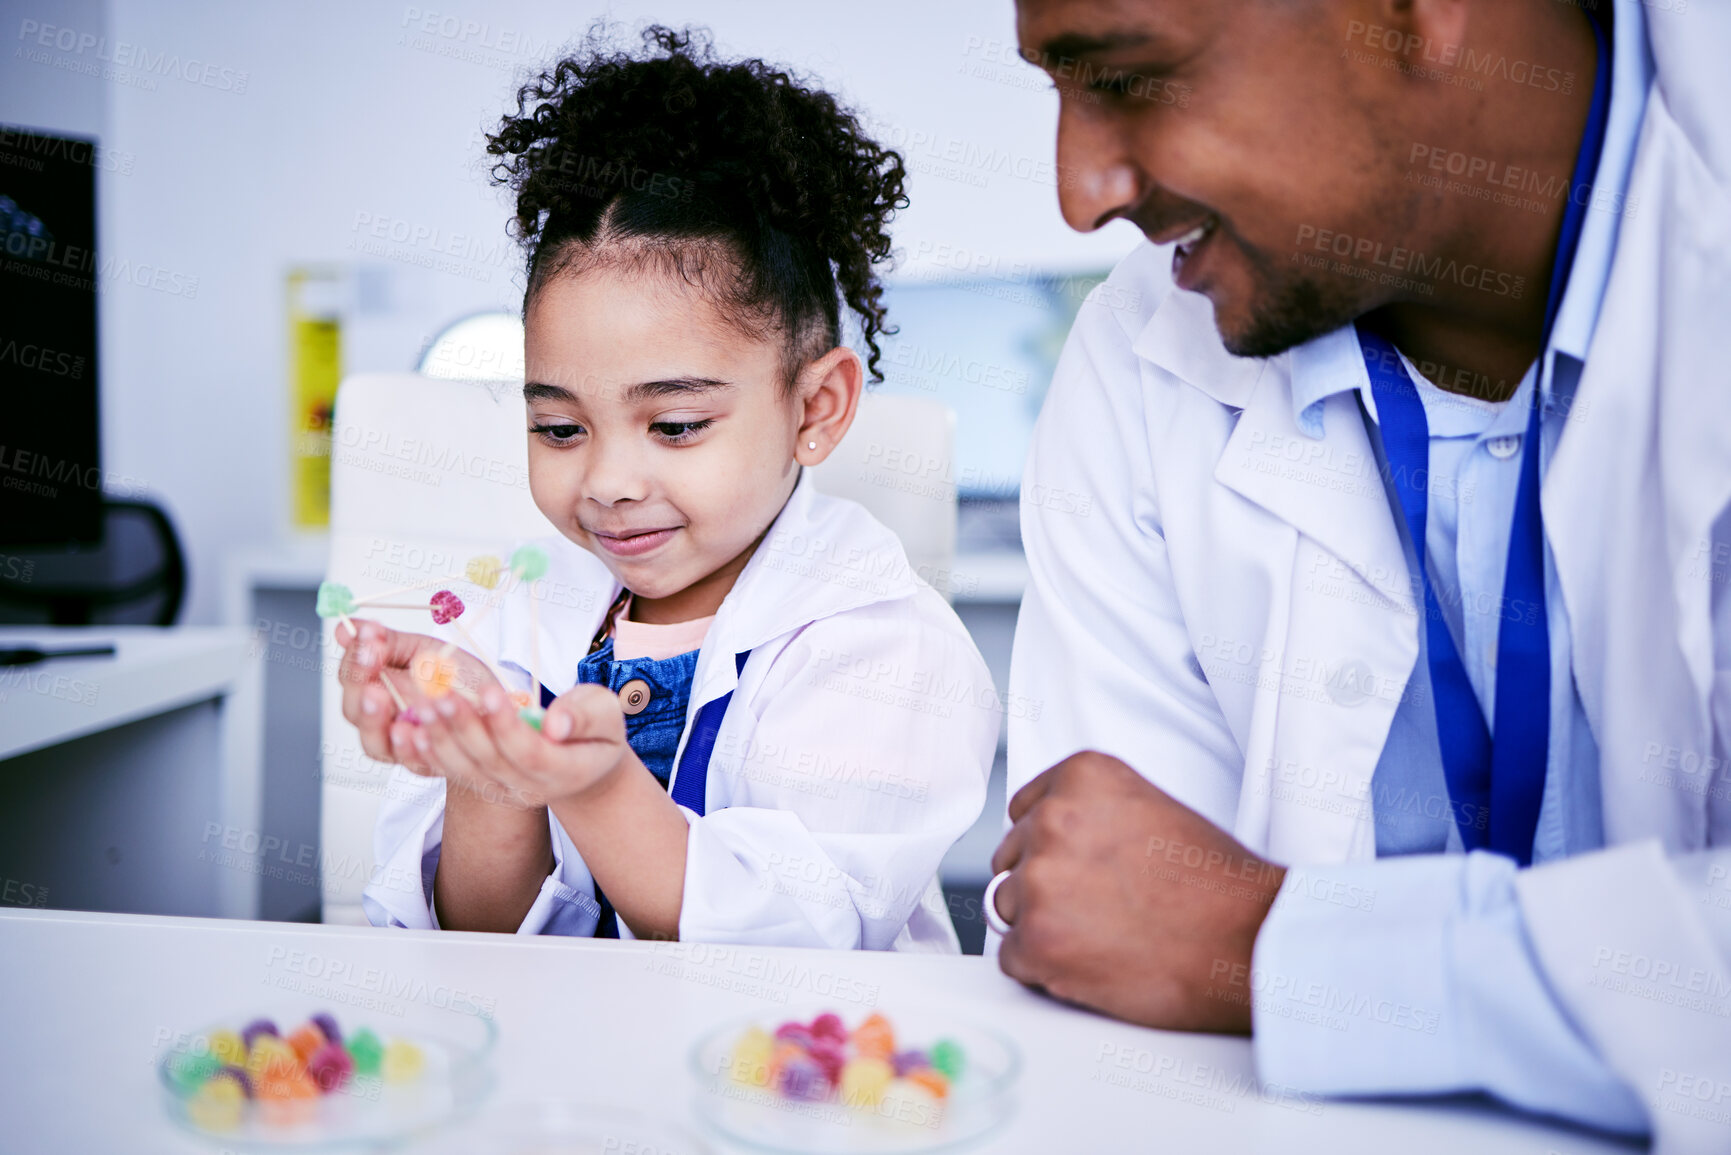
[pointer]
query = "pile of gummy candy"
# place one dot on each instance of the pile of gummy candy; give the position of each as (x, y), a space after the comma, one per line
(821, 1060)
(222, 1071)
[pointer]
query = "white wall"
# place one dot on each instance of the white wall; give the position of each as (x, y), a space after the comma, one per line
(255, 136)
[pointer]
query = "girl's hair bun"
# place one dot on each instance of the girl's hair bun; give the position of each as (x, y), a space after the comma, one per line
(734, 174)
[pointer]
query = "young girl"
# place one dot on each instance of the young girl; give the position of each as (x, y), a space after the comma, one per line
(761, 726)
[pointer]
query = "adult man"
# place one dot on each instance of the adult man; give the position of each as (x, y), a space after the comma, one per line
(1308, 558)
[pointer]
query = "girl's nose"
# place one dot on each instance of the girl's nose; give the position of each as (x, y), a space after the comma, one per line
(614, 473)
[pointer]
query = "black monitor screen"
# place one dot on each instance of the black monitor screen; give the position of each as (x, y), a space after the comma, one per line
(50, 471)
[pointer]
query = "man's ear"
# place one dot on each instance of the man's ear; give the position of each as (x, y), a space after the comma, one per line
(827, 394)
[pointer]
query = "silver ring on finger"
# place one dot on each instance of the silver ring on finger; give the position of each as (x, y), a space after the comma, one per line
(990, 902)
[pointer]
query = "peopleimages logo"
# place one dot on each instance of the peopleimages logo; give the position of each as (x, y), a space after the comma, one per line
(123, 54)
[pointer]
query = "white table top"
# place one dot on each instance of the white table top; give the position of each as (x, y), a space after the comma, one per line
(90, 995)
(154, 670)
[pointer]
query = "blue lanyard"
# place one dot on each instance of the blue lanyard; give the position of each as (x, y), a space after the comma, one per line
(1497, 785)
(691, 782)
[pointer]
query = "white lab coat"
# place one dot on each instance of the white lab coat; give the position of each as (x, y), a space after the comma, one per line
(854, 752)
(1223, 602)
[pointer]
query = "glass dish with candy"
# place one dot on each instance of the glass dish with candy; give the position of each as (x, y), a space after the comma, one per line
(816, 1085)
(306, 1080)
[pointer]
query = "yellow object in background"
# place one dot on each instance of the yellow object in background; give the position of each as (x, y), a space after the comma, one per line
(315, 368)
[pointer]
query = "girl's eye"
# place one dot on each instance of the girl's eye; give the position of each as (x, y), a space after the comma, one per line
(558, 434)
(674, 432)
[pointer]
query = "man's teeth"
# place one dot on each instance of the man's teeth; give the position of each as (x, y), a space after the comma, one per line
(1194, 235)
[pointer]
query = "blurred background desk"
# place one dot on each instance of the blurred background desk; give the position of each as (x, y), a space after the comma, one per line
(132, 782)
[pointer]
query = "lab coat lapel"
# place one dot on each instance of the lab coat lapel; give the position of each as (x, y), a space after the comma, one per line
(1325, 700)
(822, 556)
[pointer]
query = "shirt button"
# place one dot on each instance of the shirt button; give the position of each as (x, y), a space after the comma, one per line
(634, 696)
(1503, 448)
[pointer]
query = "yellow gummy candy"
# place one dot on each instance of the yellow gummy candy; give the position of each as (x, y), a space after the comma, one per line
(751, 1056)
(402, 1062)
(270, 1058)
(863, 1081)
(217, 1105)
(484, 571)
(228, 1047)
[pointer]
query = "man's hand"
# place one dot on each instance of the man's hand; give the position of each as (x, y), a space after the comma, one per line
(1126, 901)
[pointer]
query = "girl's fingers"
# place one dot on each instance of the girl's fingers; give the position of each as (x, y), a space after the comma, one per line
(584, 712)
(446, 754)
(467, 731)
(403, 749)
(376, 713)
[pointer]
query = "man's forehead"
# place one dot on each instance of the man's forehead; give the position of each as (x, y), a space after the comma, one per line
(1075, 28)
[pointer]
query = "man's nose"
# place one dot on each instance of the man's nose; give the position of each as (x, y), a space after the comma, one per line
(1096, 179)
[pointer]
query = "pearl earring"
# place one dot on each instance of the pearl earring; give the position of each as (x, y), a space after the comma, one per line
(811, 445)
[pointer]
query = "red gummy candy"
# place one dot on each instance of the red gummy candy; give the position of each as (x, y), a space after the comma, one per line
(330, 1067)
(446, 606)
(829, 1026)
(828, 1054)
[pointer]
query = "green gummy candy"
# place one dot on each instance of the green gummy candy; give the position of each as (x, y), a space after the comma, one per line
(190, 1072)
(529, 562)
(531, 715)
(335, 600)
(365, 1049)
(947, 1057)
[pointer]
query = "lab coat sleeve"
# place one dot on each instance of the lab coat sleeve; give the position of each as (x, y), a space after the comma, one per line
(406, 842)
(1102, 659)
(1440, 974)
(867, 758)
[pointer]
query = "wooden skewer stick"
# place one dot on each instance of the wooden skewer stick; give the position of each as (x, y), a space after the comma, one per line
(375, 599)
(396, 695)
(478, 651)
(535, 648)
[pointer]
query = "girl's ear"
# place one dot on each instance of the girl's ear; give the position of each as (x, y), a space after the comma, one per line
(827, 394)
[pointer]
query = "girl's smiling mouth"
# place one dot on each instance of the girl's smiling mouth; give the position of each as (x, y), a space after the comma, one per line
(633, 543)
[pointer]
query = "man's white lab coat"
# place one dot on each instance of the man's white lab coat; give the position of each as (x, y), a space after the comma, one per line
(1224, 603)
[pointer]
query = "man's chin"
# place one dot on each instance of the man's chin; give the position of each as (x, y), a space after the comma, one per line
(1290, 315)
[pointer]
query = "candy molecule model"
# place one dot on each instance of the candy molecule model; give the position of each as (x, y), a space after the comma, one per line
(821, 1061)
(281, 1078)
(437, 675)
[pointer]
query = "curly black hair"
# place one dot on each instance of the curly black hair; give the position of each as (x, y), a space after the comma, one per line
(735, 174)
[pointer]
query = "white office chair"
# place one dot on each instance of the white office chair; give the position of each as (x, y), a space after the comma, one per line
(427, 473)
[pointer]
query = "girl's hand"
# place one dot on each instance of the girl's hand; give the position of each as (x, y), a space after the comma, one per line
(378, 651)
(580, 747)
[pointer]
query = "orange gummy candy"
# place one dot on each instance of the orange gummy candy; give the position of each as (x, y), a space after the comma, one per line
(931, 1079)
(306, 1040)
(875, 1038)
(288, 1099)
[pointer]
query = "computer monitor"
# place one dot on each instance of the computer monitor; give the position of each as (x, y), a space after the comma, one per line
(50, 464)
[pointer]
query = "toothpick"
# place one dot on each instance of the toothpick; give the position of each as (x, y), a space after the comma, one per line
(402, 705)
(535, 643)
(375, 599)
(480, 652)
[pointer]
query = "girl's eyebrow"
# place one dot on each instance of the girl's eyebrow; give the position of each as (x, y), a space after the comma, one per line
(673, 386)
(642, 391)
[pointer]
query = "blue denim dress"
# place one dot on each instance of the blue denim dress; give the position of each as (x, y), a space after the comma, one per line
(655, 729)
